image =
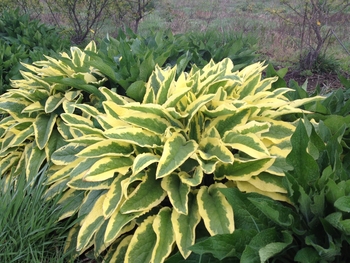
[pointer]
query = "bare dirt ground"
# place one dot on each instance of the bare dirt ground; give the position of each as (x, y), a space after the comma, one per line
(326, 81)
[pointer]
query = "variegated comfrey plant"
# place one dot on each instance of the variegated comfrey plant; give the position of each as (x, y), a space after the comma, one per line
(31, 128)
(143, 176)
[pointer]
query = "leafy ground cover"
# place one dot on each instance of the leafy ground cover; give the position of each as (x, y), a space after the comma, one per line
(260, 172)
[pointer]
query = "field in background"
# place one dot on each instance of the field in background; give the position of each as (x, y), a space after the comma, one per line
(277, 39)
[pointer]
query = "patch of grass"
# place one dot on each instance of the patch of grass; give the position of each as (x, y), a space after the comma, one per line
(29, 228)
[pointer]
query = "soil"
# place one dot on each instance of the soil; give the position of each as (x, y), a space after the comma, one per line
(326, 81)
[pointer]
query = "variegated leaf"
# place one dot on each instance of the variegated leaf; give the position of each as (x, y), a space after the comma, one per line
(213, 148)
(247, 143)
(113, 197)
(113, 96)
(73, 120)
(147, 121)
(139, 250)
(43, 127)
(109, 147)
(23, 135)
(249, 188)
(34, 162)
(156, 110)
(34, 107)
(70, 203)
(163, 229)
(167, 82)
(229, 122)
(146, 195)
(79, 183)
(278, 131)
(116, 223)
(136, 136)
(64, 129)
(268, 183)
(196, 105)
(176, 151)
(90, 198)
(53, 102)
(79, 130)
(58, 172)
(177, 192)
(193, 179)
(56, 188)
(91, 224)
(144, 160)
(185, 226)
(105, 168)
(67, 154)
(215, 210)
(242, 170)
(119, 254)
(7, 162)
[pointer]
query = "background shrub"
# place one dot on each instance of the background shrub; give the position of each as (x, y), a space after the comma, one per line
(25, 40)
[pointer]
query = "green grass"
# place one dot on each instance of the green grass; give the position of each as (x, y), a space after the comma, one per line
(29, 231)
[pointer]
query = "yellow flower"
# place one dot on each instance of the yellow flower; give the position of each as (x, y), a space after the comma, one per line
(318, 23)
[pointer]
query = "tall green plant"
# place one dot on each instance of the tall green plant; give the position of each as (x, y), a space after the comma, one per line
(151, 172)
(316, 228)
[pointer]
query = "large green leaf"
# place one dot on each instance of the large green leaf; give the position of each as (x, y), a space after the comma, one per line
(306, 169)
(281, 214)
(225, 245)
(265, 245)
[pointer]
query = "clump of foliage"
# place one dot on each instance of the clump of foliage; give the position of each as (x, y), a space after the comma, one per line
(25, 40)
(133, 57)
(316, 227)
(152, 172)
(31, 128)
